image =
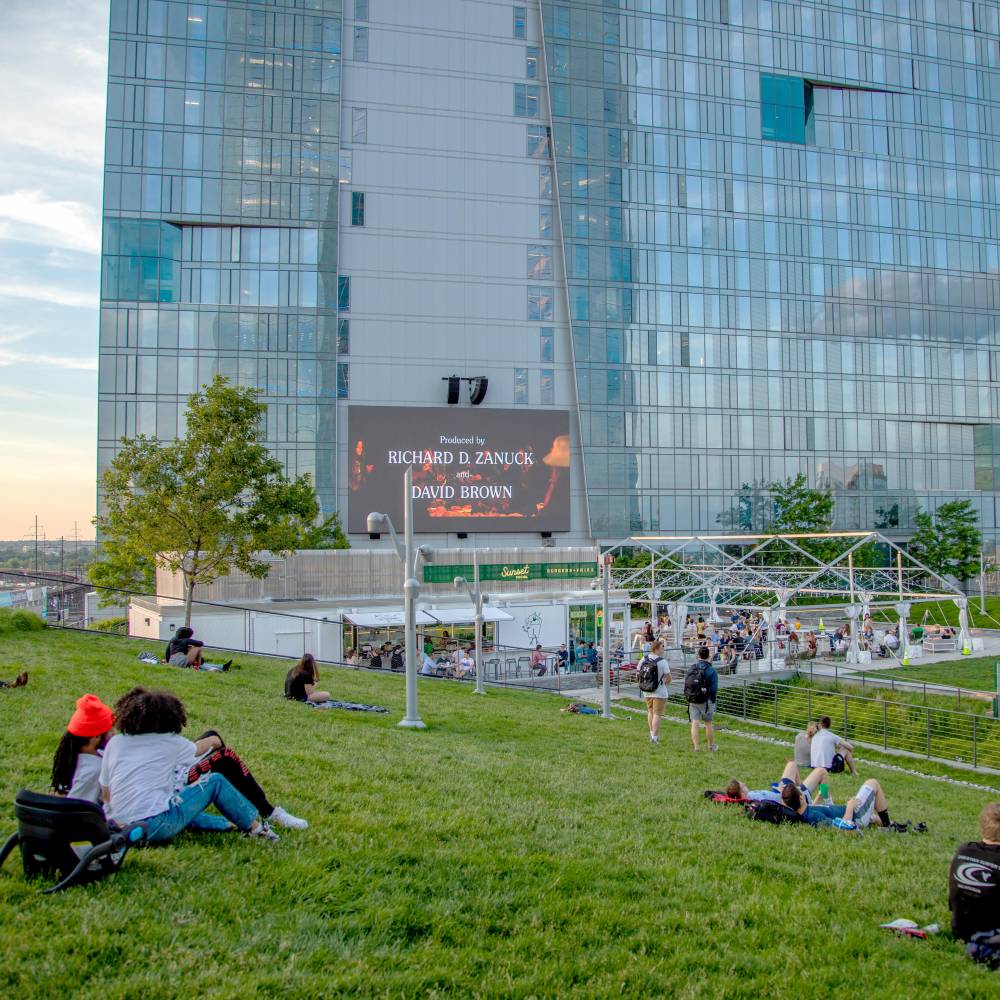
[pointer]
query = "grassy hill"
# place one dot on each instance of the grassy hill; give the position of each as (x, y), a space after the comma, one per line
(509, 850)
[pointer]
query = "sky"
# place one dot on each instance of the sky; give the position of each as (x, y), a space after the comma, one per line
(53, 76)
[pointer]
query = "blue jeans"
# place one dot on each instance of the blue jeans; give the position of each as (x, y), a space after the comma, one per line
(187, 810)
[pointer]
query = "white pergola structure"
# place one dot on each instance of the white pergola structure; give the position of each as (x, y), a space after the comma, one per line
(767, 573)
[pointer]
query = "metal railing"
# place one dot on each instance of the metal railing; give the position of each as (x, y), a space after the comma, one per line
(924, 731)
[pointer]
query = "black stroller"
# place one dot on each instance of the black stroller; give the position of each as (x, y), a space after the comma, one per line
(51, 830)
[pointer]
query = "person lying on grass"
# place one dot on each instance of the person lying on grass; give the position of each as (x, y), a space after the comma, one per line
(18, 682)
(185, 651)
(736, 789)
(301, 681)
(868, 807)
(147, 770)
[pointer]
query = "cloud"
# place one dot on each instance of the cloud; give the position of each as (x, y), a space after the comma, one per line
(86, 364)
(51, 294)
(31, 216)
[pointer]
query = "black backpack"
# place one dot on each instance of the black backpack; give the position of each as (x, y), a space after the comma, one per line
(397, 661)
(696, 684)
(768, 811)
(649, 675)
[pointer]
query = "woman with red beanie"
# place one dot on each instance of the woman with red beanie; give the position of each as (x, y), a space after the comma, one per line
(77, 764)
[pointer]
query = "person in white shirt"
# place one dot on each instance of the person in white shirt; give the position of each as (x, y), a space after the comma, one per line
(77, 763)
(145, 768)
(830, 751)
(656, 701)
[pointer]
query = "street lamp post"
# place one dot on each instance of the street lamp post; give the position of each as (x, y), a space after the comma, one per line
(411, 591)
(606, 680)
(477, 597)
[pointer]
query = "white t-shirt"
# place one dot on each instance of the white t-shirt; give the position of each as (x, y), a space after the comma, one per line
(429, 667)
(663, 669)
(143, 772)
(86, 778)
(824, 746)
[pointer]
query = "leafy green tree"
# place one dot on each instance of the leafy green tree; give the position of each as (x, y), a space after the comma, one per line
(949, 542)
(121, 570)
(328, 535)
(209, 502)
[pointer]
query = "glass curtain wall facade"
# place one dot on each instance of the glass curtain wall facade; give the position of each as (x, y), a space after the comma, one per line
(220, 219)
(781, 235)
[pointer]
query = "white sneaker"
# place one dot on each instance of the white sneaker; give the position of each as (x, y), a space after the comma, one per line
(282, 818)
(714, 747)
(654, 739)
(263, 831)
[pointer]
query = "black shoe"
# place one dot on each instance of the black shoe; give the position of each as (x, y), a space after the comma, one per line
(226, 666)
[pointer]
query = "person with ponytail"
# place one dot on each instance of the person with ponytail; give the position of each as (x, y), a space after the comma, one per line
(76, 767)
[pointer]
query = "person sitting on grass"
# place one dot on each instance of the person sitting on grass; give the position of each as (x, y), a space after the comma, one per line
(301, 681)
(140, 769)
(867, 807)
(185, 651)
(736, 789)
(831, 751)
(76, 767)
(18, 682)
(803, 745)
(974, 880)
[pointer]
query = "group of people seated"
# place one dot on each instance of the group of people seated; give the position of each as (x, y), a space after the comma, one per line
(133, 761)
(459, 662)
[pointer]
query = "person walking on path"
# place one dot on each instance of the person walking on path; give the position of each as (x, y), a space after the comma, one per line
(701, 688)
(654, 676)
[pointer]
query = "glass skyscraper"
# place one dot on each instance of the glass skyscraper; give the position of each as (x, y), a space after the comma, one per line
(739, 239)
(220, 218)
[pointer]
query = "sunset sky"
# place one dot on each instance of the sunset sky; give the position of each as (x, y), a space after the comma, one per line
(53, 59)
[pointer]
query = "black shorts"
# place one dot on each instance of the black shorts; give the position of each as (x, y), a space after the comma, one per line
(837, 764)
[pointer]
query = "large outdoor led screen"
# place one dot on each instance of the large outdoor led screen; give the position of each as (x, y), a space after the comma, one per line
(473, 469)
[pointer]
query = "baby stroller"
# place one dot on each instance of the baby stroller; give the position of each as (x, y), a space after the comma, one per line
(48, 827)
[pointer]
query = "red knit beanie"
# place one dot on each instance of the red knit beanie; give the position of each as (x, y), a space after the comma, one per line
(91, 718)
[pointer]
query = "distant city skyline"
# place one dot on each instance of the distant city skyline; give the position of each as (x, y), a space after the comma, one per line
(53, 66)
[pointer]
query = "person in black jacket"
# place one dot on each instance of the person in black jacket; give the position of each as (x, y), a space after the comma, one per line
(185, 651)
(974, 880)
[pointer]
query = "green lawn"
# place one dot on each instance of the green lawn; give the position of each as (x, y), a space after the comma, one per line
(946, 612)
(509, 850)
(977, 674)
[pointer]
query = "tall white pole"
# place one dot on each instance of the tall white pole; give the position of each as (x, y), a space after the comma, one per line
(606, 681)
(982, 584)
(480, 681)
(411, 588)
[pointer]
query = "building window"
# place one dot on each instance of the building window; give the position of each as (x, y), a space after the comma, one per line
(357, 208)
(526, 99)
(531, 63)
(547, 386)
(786, 109)
(520, 22)
(539, 262)
(343, 292)
(360, 10)
(346, 166)
(544, 220)
(360, 44)
(539, 137)
(521, 386)
(546, 344)
(544, 181)
(359, 124)
(343, 380)
(344, 336)
(539, 303)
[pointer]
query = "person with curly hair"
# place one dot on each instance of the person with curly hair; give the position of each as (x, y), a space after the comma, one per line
(146, 767)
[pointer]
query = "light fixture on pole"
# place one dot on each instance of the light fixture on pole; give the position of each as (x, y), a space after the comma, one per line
(411, 591)
(477, 597)
(607, 562)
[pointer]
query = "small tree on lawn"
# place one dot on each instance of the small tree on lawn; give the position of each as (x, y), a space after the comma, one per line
(949, 542)
(208, 502)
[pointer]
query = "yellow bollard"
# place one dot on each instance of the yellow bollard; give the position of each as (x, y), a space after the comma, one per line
(966, 651)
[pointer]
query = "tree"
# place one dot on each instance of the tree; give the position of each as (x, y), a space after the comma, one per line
(949, 542)
(797, 508)
(120, 571)
(328, 535)
(208, 502)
